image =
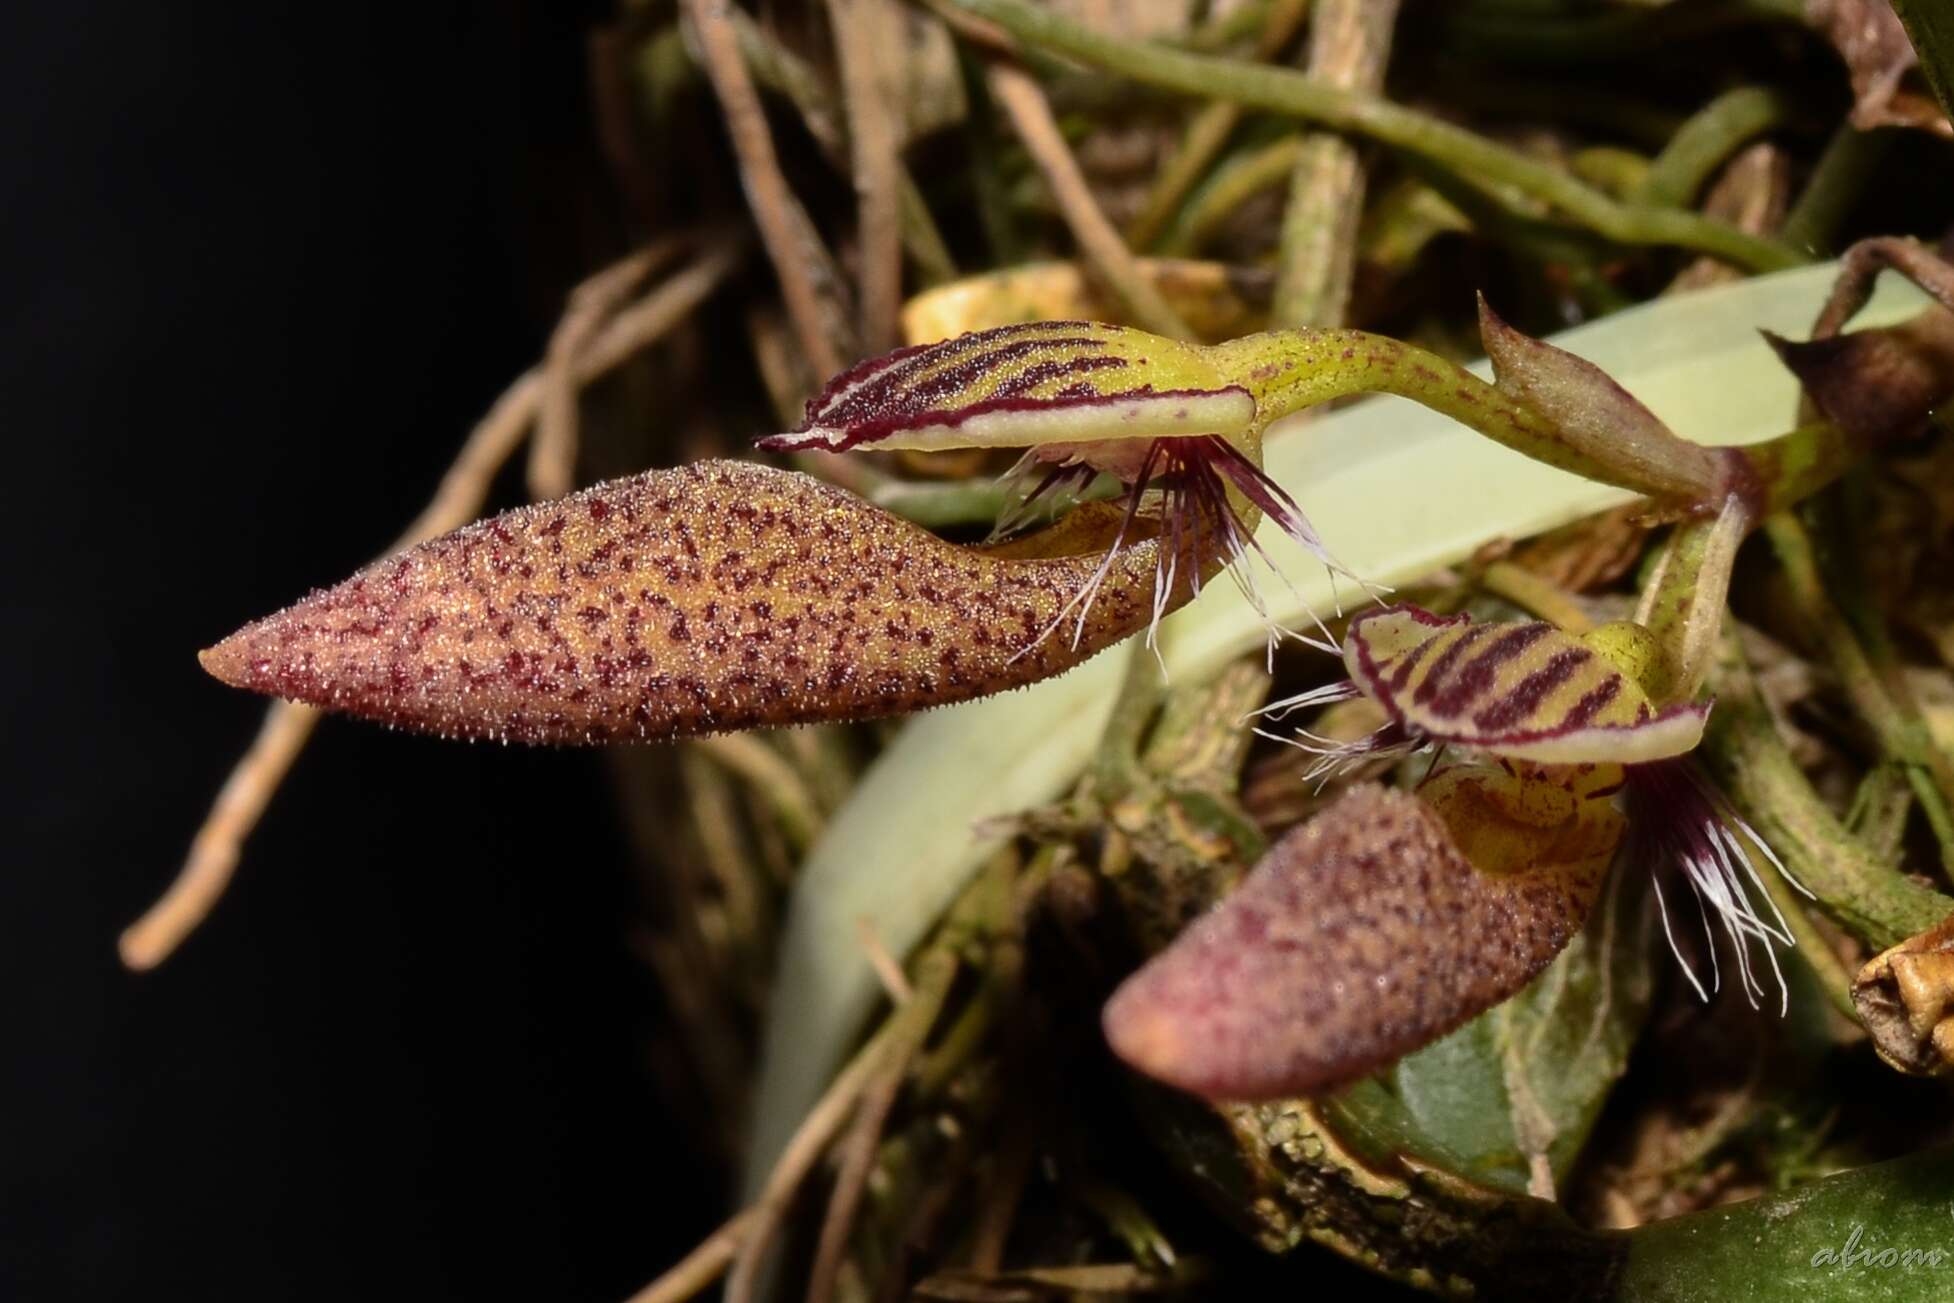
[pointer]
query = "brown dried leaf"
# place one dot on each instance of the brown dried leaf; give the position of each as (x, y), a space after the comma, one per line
(1589, 554)
(1880, 384)
(1871, 39)
(1216, 300)
(1905, 997)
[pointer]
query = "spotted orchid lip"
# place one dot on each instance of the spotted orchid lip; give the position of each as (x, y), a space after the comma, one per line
(698, 599)
(1020, 386)
(1359, 937)
(1523, 689)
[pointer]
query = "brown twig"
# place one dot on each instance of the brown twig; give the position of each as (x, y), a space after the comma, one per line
(864, 42)
(792, 244)
(1861, 266)
(464, 488)
(553, 452)
(1350, 42)
(857, 1160)
(888, 969)
(219, 842)
(894, 1044)
(776, 781)
(700, 1267)
(776, 68)
(1031, 116)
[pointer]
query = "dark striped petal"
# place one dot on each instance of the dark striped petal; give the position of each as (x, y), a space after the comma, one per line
(1363, 935)
(1042, 382)
(1524, 689)
(715, 596)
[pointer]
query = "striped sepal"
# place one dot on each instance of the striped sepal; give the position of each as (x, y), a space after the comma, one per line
(1020, 386)
(1523, 689)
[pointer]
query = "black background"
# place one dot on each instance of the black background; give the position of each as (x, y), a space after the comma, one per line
(263, 267)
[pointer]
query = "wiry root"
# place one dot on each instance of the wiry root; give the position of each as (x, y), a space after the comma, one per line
(1678, 818)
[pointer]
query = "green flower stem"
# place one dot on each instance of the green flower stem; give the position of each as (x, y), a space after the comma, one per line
(1403, 221)
(1838, 181)
(1683, 602)
(1290, 370)
(1873, 902)
(1282, 90)
(1879, 809)
(1316, 254)
(1812, 948)
(1795, 465)
(1535, 595)
(1902, 738)
(1206, 133)
(1117, 765)
(1708, 139)
(945, 504)
(1620, 172)
(1227, 190)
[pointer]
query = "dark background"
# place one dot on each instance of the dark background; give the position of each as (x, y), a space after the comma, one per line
(263, 267)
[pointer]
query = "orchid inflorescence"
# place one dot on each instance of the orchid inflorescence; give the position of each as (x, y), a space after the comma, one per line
(728, 595)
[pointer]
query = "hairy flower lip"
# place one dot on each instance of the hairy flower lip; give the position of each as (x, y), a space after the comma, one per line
(1362, 935)
(1679, 821)
(705, 598)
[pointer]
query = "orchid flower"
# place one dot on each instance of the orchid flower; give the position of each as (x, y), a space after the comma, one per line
(729, 595)
(1390, 919)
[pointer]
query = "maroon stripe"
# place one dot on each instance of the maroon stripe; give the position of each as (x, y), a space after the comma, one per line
(958, 376)
(1435, 677)
(1591, 705)
(897, 367)
(1037, 374)
(854, 436)
(1452, 699)
(878, 383)
(1528, 693)
(1408, 662)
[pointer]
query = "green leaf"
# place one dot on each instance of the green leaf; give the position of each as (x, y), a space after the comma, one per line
(1879, 1234)
(1508, 1100)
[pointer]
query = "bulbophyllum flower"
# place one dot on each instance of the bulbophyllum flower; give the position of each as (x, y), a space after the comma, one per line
(1178, 425)
(1390, 919)
(729, 595)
